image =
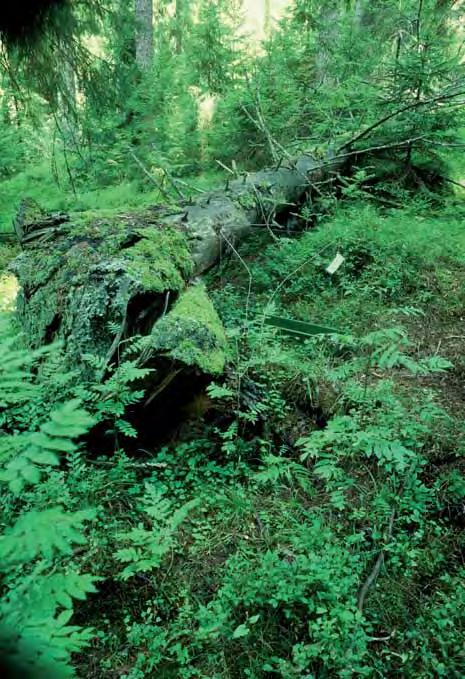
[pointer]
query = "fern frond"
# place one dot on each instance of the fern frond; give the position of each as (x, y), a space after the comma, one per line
(41, 449)
(146, 549)
(41, 646)
(43, 533)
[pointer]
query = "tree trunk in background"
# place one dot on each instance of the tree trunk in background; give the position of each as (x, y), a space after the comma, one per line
(144, 34)
(68, 100)
(328, 37)
(179, 25)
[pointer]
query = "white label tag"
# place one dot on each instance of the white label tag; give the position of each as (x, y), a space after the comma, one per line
(336, 263)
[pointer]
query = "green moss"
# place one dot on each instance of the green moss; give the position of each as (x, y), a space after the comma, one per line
(160, 260)
(192, 332)
(77, 286)
(247, 200)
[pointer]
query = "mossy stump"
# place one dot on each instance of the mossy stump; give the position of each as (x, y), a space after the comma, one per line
(98, 282)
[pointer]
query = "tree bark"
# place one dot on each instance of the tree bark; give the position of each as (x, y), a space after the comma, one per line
(144, 34)
(256, 199)
(329, 20)
(179, 26)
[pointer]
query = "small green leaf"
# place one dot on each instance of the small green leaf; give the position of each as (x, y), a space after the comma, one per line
(31, 474)
(241, 631)
(45, 457)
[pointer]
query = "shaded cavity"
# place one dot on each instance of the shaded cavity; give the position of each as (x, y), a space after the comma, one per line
(145, 308)
(52, 329)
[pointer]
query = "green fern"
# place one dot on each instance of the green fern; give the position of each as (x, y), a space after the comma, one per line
(146, 549)
(30, 454)
(16, 385)
(277, 469)
(42, 534)
(39, 587)
(109, 399)
(38, 611)
(39, 601)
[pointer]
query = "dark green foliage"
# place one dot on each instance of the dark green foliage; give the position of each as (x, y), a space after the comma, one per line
(18, 25)
(321, 79)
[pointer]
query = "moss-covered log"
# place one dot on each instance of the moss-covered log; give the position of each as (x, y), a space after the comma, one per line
(95, 282)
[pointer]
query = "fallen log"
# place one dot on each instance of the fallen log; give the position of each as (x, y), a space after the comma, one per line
(95, 282)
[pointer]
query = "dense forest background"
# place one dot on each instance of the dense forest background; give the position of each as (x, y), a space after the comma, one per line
(182, 86)
(268, 480)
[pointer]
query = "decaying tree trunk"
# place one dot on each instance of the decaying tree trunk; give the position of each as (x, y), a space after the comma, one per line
(93, 283)
(226, 216)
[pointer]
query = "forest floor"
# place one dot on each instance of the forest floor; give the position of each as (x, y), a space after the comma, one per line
(295, 461)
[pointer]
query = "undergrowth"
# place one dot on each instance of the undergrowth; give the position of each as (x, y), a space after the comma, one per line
(310, 526)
